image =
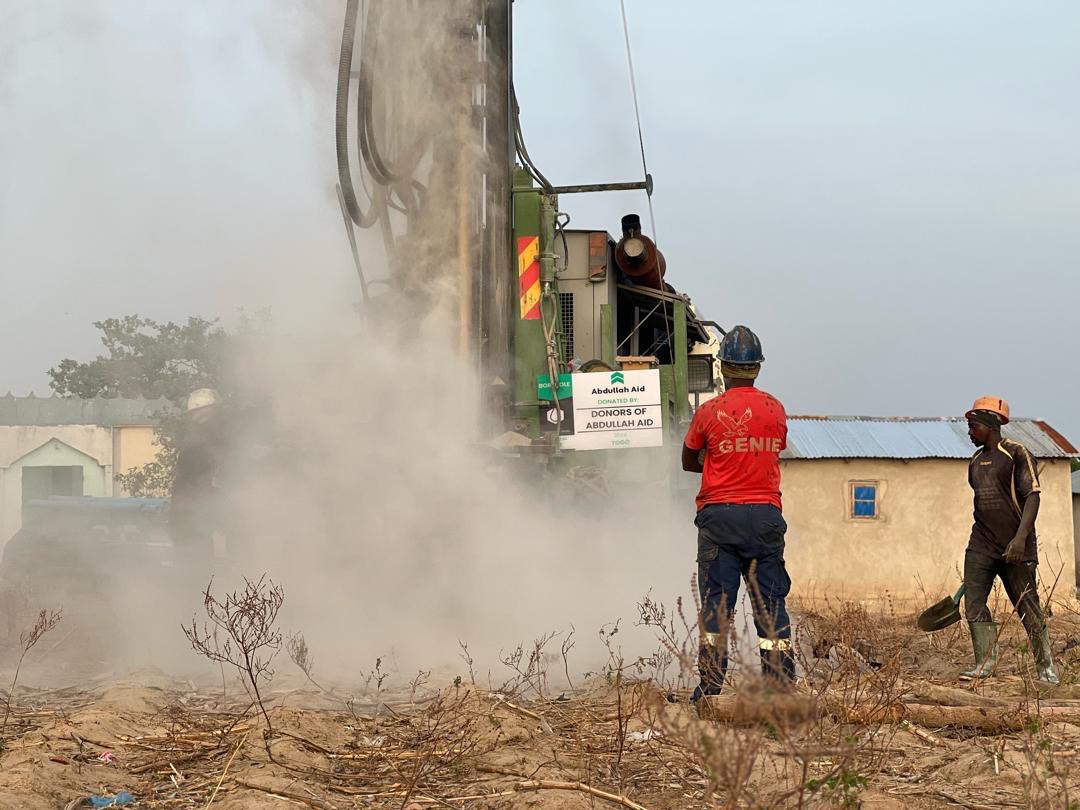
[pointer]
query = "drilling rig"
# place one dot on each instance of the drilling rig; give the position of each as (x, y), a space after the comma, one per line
(586, 355)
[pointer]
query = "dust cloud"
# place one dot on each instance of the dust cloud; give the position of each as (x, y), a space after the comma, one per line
(367, 487)
(395, 528)
(396, 535)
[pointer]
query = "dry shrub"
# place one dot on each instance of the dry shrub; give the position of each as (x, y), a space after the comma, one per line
(529, 668)
(46, 621)
(446, 737)
(824, 739)
(242, 632)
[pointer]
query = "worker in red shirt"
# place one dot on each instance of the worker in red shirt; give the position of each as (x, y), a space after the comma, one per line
(740, 524)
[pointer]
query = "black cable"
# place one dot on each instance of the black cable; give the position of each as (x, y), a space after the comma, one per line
(519, 144)
(365, 93)
(363, 219)
(562, 219)
(395, 179)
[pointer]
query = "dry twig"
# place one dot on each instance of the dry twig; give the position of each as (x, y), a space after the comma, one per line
(243, 634)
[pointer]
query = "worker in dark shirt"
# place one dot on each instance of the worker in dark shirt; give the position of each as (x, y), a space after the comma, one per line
(1005, 482)
(194, 514)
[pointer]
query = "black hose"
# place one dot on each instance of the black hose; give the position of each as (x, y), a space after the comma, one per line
(364, 219)
(392, 179)
(365, 94)
(519, 143)
(378, 163)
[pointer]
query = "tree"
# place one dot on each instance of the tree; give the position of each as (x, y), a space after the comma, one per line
(160, 360)
(145, 358)
(148, 359)
(155, 478)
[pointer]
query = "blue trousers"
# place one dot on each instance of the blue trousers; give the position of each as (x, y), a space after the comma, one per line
(737, 542)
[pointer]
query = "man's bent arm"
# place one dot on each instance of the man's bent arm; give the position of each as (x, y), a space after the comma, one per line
(691, 461)
(1014, 552)
(1027, 519)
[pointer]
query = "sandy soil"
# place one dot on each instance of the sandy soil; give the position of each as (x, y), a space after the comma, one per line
(613, 741)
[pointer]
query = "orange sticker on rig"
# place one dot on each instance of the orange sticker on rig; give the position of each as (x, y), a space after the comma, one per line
(529, 276)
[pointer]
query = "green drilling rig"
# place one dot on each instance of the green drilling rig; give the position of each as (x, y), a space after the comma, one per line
(587, 356)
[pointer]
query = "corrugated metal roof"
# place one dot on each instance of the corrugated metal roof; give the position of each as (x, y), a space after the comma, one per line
(880, 437)
(1076, 482)
(56, 410)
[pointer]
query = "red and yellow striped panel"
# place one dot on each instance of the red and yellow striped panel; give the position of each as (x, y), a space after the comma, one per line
(528, 248)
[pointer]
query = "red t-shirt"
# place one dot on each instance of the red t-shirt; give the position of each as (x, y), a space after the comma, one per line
(744, 430)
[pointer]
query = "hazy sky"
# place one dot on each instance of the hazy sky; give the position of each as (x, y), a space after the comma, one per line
(888, 192)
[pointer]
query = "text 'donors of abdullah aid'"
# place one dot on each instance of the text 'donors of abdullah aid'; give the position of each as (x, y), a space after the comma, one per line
(616, 409)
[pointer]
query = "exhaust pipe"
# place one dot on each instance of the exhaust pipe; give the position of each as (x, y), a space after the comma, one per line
(638, 257)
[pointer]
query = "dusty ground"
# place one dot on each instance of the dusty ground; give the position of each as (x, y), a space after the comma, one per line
(845, 739)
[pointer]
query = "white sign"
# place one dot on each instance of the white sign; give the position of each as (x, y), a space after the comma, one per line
(616, 409)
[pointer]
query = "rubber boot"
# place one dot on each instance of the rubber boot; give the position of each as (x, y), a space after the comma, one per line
(984, 642)
(1044, 659)
(712, 667)
(778, 666)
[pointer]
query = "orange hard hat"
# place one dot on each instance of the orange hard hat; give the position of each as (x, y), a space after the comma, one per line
(994, 405)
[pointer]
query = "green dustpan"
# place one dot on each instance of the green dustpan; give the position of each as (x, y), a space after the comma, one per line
(941, 614)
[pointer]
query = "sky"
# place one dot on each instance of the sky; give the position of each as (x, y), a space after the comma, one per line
(888, 193)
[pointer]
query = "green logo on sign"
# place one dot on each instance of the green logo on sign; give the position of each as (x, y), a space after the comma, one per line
(616, 377)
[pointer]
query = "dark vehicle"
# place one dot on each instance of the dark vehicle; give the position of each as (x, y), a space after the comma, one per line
(73, 548)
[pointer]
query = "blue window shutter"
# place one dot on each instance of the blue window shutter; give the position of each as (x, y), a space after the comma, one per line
(864, 509)
(865, 493)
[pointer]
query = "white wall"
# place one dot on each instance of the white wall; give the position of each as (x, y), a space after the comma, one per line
(88, 446)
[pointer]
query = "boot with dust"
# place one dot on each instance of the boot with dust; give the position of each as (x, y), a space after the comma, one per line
(778, 666)
(712, 666)
(1044, 659)
(984, 641)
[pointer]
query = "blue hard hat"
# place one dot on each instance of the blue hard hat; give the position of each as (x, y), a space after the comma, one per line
(741, 347)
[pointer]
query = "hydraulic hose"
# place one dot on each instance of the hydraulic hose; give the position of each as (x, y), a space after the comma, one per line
(377, 162)
(394, 178)
(365, 93)
(363, 219)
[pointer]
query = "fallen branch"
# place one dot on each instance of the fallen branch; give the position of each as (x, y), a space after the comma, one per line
(529, 784)
(778, 709)
(500, 701)
(949, 696)
(970, 717)
(996, 720)
(548, 784)
(221, 779)
(923, 734)
(970, 805)
(187, 736)
(314, 746)
(285, 794)
(793, 709)
(164, 763)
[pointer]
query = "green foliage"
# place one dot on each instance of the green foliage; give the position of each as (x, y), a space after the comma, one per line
(155, 478)
(148, 359)
(842, 789)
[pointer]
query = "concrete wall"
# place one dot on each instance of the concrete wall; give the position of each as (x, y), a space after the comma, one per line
(88, 446)
(133, 446)
(1076, 538)
(920, 535)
